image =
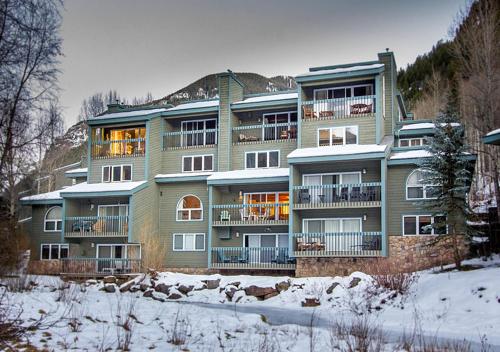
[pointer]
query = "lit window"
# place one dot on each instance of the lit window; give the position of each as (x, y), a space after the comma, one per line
(337, 136)
(53, 220)
(189, 208)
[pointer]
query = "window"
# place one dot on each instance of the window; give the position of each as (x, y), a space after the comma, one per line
(189, 241)
(199, 132)
(424, 225)
(120, 141)
(343, 92)
(116, 173)
(278, 126)
(262, 160)
(189, 208)
(54, 251)
(332, 225)
(337, 136)
(417, 188)
(53, 220)
(412, 142)
(270, 205)
(195, 163)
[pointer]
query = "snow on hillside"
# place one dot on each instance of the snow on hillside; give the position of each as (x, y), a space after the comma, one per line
(221, 313)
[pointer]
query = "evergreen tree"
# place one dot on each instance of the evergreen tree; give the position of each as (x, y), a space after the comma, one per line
(449, 169)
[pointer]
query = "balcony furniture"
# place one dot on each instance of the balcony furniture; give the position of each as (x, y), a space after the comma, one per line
(308, 112)
(225, 216)
(284, 134)
(221, 258)
(357, 109)
(244, 138)
(242, 215)
(326, 113)
(321, 198)
(265, 215)
(82, 226)
(304, 196)
(100, 226)
(355, 194)
(344, 194)
(281, 257)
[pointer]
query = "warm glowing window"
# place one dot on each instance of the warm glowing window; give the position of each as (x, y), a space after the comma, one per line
(273, 205)
(189, 208)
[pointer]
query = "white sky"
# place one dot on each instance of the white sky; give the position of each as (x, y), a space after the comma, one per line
(162, 45)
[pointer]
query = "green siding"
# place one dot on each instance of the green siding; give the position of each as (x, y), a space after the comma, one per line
(138, 165)
(172, 158)
(37, 234)
(372, 169)
(372, 222)
(171, 194)
(238, 155)
(154, 146)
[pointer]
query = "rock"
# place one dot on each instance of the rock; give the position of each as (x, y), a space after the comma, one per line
(282, 286)
(163, 288)
(144, 287)
(271, 295)
(174, 296)
(354, 282)
(127, 286)
(159, 299)
(153, 274)
(185, 289)
(109, 279)
(212, 284)
(310, 302)
(236, 283)
(133, 289)
(203, 287)
(91, 282)
(230, 290)
(109, 288)
(330, 289)
(148, 293)
(259, 291)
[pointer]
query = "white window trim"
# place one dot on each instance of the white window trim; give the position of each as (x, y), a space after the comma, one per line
(256, 153)
(121, 166)
(424, 186)
(178, 208)
(126, 245)
(344, 128)
(341, 222)
(202, 162)
(50, 250)
(52, 220)
(277, 234)
(417, 216)
(345, 87)
(99, 207)
(204, 130)
(422, 140)
(276, 195)
(334, 174)
(184, 235)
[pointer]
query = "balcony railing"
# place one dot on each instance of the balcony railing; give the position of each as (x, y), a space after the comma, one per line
(338, 108)
(190, 139)
(278, 132)
(118, 148)
(251, 258)
(250, 214)
(359, 195)
(100, 266)
(96, 226)
(341, 244)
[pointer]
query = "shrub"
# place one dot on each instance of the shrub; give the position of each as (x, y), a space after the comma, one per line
(387, 275)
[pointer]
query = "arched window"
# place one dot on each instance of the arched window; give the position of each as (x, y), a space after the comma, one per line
(189, 208)
(53, 219)
(419, 187)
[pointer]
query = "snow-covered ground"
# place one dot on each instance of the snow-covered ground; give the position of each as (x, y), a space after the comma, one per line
(446, 305)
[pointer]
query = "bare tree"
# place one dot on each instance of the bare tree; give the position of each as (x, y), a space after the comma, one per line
(476, 49)
(434, 99)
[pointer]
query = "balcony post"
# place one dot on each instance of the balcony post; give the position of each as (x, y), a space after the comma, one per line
(299, 117)
(130, 220)
(378, 109)
(290, 206)
(63, 218)
(383, 211)
(209, 241)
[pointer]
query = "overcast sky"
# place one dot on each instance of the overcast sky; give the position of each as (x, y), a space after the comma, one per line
(160, 46)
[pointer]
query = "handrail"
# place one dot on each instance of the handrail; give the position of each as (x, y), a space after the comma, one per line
(339, 185)
(281, 124)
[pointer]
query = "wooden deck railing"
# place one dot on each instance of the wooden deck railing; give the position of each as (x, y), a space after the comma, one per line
(339, 108)
(340, 244)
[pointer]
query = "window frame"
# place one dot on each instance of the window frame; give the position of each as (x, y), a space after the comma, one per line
(344, 139)
(350, 87)
(204, 130)
(417, 224)
(190, 210)
(424, 186)
(420, 139)
(110, 173)
(45, 221)
(341, 219)
(65, 245)
(184, 235)
(256, 153)
(202, 162)
(340, 174)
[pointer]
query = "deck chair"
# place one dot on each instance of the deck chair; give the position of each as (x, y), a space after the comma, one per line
(304, 196)
(225, 216)
(355, 194)
(221, 258)
(308, 112)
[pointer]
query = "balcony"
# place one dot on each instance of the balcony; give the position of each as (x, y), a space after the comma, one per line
(265, 133)
(118, 148)
(190, 139)
(340, 108)
(96, 226)
(250, 214)
(360, 195)
(340, 244)
(273, 258)
(99, 266)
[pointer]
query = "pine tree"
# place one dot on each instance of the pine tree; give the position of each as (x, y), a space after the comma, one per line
(449, 170)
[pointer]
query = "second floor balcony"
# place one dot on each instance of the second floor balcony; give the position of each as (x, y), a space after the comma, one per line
(337, 244)
(96, 226)
(190, 139)
(339, 108)
(118, 148)
(265, 133)
(250, 214)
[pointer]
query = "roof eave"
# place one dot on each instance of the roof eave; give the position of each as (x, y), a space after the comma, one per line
(264, 104)
(250, 180)
(333, 76)
(191, 112)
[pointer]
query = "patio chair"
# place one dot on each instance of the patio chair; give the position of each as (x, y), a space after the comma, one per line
(221, 258)
(355, 194)
(281, 257)
(243, 257)
(357, 109)
(304, 196)
(344, 194)
(243, 216)
(225, 216)
(308, 112)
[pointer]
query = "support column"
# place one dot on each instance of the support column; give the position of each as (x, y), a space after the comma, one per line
(290, 210)
(209, 240)
(383, 189)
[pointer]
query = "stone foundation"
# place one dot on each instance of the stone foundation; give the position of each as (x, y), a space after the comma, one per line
(406, 253)
(192, 271)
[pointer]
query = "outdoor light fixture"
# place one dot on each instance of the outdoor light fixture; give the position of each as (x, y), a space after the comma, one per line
(240, 195)
(237, 234)
(364, 217)
(364, 171)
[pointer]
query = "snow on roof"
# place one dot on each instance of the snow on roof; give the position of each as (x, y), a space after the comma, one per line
(66, 166)
(85, 187)
(269, 97)
(493, 132)
(242, 174)
(195, 105)
(341, 70)
(184, 174)
(418, 126)
(77, 171)
(410, 154)
(133, 113)
(337, 150)
(54, 195)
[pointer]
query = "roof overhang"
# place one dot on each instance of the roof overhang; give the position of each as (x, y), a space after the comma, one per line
(184, 178)
(334, 76)
(262, 105)
(330, 158)
(41, 202)
(191, 112)
(492, 139)
(250, 180)
(69, 193)
(114, 120)
(417, 161)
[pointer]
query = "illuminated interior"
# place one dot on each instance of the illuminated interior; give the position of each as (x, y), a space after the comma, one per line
(268, 204)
